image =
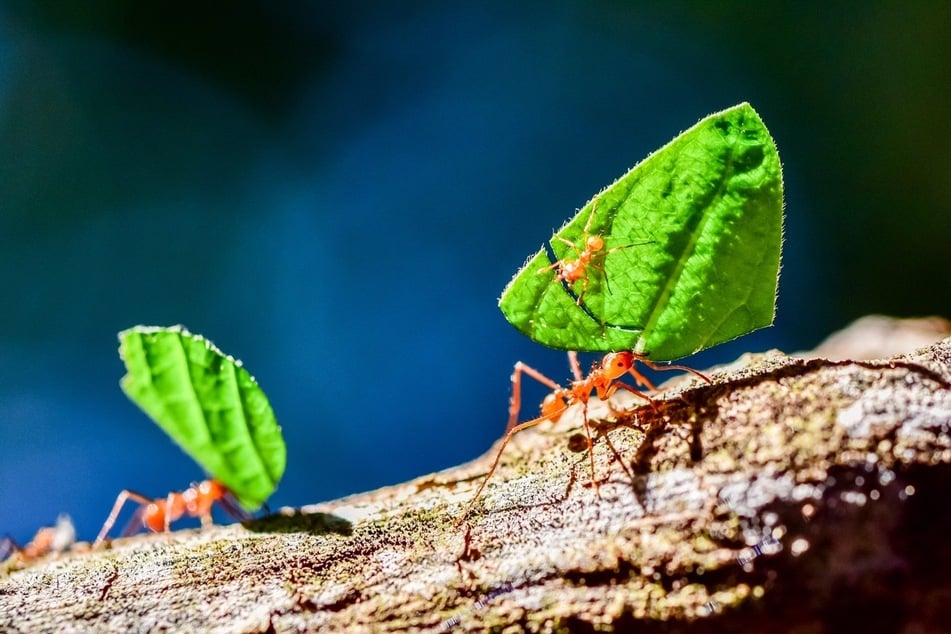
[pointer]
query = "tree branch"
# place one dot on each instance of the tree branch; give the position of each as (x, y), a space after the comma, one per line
(792, 492)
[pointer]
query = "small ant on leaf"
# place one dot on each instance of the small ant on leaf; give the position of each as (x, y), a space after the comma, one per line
(590, 254)
(158, 514)
(603, 380)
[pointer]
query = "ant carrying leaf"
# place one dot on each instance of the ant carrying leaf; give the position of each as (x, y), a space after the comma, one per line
(157, 514)
(711, 201)
(215, 410)
(602, 381)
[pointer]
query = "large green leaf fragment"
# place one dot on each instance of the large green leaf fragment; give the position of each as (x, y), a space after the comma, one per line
(692, 239)
(209, 404)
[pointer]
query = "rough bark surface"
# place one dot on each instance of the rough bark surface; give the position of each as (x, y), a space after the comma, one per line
(794, 493)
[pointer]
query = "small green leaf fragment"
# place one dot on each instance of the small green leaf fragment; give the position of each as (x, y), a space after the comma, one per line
(692, 249)
(209, 404)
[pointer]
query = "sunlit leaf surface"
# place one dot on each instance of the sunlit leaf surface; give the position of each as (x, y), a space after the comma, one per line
(209, 405)
(692, 238)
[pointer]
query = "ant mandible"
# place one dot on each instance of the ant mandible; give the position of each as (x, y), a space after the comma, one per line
(569, 270)
(603, 380)
(158, 514)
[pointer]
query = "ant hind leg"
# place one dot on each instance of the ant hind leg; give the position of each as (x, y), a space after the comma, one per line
(655, 366)
(515, 399)
(121, 499)
(498, 457)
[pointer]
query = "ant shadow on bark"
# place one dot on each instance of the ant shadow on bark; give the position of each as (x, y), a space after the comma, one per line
(653, 423)
(699, 405)
(297, 522)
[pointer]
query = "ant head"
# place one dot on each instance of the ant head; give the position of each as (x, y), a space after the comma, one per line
(199, 497)
(617, 364)
(594, 243)
(212, 489)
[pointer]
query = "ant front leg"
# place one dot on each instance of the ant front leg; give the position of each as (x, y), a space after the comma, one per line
(633, 390)
(608, 393)
(233, 508)
(121, 499)
(566, 270)
(640, 379)
(655, 366)
(172, 500)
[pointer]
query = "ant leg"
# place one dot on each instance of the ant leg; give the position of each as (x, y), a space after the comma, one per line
(232, 508)
(654, 366)
(169, 500)
(594, 208)
(568, 243)
(587, 432)
(633, 390)
(135, 523)
(575, 366)
(559, 264)
(626, 246)
(617, 456)
(515, 400)
(121, 499)
(584, 288)
(498, 456)
(639, 378)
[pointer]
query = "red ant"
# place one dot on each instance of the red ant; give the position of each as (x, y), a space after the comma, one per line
(603, 380)
(570, 270)
(158, 514)
(48, 539)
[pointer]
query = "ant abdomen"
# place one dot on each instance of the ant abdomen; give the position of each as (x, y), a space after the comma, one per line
(554, 406)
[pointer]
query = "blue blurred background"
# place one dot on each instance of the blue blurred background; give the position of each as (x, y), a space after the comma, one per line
(337, 196)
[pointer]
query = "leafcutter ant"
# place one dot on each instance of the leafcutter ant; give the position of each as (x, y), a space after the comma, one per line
(157, 514)
(603, 381)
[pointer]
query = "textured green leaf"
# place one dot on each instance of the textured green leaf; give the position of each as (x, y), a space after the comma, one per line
(209, 405)
(692, 236)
